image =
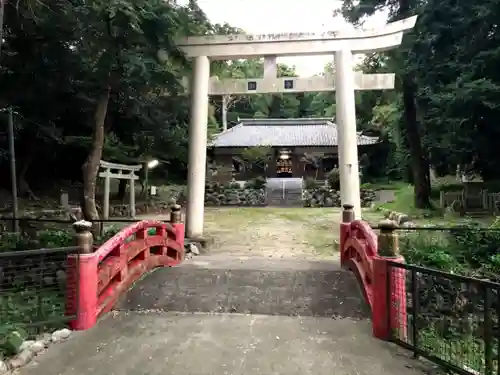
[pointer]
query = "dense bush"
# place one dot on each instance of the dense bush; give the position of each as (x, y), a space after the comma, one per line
(28, 298)
(333, 179)
(323, 196)
(47, 238)
(469, 250)
(256, 183)
(310, 183)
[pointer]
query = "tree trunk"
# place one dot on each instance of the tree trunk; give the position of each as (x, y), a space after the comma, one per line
(225, 103)
(419, 162)
(23, 186)
(91, 166)
(420, 165)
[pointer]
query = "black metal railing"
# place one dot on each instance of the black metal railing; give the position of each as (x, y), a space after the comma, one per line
(449, 319)
(34, 287)
(30, 229)
(27, 222)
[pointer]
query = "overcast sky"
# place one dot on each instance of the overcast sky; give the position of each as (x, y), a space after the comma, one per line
(268, 16)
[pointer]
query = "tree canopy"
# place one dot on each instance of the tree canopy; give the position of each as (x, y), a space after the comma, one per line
(91, 79)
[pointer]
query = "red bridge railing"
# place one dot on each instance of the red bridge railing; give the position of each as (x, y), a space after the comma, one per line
(368, 256)
(102, 276)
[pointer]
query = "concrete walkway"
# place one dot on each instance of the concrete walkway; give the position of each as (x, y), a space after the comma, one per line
(266, 301)
(233, 315)
(159, 343)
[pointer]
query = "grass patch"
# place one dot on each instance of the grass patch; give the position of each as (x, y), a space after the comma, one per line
(321, 226)
(236, 217)
(32, 309)
(385, 185)
(322, 239)
(466, 351)
(404, 202)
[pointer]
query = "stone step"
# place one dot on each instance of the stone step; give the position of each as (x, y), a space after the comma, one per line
(289, 194)
(291, 200)
(284, 203)
(250, 285)
(292, 197)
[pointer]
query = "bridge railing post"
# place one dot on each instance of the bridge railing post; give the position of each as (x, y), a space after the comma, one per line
(345, 228)
(177, 224)
(81, 303)
(389, 285)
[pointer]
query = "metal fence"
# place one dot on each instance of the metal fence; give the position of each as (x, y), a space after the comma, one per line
(29, 228)
(26, 222)
(34, 286)
(449, 319)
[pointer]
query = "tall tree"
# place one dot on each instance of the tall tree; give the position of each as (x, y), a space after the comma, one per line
(355, 12)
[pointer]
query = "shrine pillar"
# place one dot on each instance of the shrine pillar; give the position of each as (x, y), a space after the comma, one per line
(347, 134)
(197, 158)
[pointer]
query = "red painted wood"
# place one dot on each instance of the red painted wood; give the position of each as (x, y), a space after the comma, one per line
(98, 280)
(359, 253)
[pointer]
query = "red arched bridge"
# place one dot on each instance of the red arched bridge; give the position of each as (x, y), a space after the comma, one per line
(157, 324)
(107, 273)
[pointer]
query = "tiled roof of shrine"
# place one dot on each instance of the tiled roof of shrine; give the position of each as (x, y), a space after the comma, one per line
(299, 132)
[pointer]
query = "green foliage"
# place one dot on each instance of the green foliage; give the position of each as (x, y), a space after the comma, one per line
(256, 183)
(404, 202)
(66, 54)
(44, 239)
(127, 46)
(310, 183)
(11, 339)
(23, 303)
(333, 179)
(431, 249)
(470, 249)
(108, 233)
(47, 238)
(256, 157)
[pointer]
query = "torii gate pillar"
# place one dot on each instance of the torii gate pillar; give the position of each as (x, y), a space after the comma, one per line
(197, 158)
(347, 134)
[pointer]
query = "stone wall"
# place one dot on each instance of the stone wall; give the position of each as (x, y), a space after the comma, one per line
(154, 206)
(159, 207)
(233, 195)
(326, 197)
(237, 195)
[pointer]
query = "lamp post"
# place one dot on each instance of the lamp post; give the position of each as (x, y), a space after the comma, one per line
(149, 165)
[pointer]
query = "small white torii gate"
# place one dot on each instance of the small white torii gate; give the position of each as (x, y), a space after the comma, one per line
(120, 172)
(342, 44)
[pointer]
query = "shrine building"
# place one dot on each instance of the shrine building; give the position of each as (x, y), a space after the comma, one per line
(296, 148)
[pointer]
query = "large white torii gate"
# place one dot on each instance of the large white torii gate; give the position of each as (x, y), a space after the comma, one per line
(343, 44)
